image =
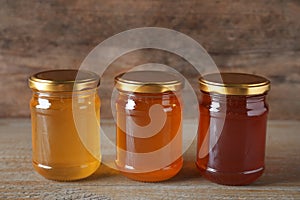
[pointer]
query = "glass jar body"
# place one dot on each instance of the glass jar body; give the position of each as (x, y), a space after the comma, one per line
(65, 134)
(149, 142)
(231, 138)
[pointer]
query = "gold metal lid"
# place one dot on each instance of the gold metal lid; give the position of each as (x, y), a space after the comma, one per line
(234, 84)
(149, 82)
(64, 80)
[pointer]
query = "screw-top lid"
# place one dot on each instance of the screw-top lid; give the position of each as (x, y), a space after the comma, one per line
(234, 84)
(64, 80)
(149, 82)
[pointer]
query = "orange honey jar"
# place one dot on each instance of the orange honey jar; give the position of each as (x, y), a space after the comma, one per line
(149, 125)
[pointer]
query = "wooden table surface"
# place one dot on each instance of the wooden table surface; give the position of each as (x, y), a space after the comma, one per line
(18, 180)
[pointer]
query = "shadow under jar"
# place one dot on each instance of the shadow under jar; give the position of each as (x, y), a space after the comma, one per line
(65, 114)
(149, 129)
(232, 127)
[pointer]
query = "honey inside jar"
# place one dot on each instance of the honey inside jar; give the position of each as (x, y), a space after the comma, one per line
(65, 124)
(232, 128)
(149, 129)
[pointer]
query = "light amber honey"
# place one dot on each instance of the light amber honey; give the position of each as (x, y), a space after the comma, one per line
(65, 133)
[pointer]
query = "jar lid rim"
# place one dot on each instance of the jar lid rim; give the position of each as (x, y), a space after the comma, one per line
(64, 80)
(149, 81)
(234, 84)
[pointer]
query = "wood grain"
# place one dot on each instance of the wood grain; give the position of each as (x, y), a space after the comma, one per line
(258, 36)
(18, 180)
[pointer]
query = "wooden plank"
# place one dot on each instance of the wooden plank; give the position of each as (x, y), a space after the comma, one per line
(259, 36)
(281, 179)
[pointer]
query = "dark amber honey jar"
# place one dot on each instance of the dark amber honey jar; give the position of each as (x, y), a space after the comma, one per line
(149, 129)
(232, 127)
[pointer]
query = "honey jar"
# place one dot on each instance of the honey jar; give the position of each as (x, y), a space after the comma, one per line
(65, 114)
(149, 125)
(232, 127)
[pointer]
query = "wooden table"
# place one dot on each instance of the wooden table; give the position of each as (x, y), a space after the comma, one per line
(281, 179)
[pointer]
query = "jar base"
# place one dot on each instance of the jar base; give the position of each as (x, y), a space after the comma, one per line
(66, 173)
(233, 179)
(158, 175)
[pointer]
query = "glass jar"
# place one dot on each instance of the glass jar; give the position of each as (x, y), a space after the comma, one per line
(65, 115)
(232, 127)
(149, 129)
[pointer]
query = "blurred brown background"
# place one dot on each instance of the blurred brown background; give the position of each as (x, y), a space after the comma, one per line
(257, 36)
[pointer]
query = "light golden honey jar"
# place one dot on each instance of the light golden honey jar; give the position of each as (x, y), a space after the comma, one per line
(65, 114)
